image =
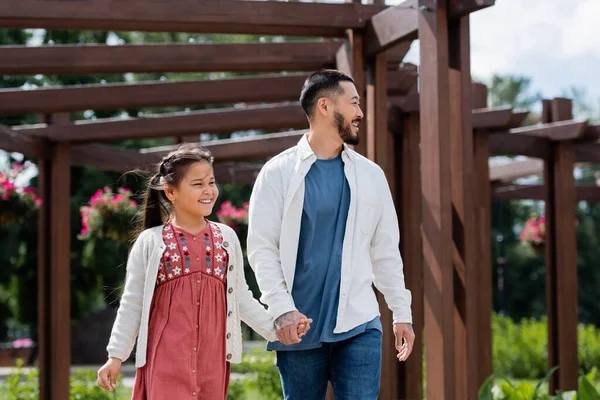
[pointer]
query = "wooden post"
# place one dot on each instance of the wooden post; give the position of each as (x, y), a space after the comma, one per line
(561, 255)
(463, 203)
(483, 270)
(382, 149)
(54, 279)
(437, 201)
(408, 187)
(349, 60)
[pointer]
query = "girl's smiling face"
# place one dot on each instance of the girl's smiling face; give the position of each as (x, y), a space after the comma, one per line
(196, 193)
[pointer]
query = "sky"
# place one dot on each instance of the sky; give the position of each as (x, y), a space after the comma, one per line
(555, 42)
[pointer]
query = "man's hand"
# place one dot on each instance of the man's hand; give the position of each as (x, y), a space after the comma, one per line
(405, 339)
(286, 327)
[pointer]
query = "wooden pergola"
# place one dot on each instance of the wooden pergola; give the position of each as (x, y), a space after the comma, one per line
(429, 129)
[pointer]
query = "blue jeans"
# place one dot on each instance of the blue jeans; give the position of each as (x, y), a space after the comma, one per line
(353, 366)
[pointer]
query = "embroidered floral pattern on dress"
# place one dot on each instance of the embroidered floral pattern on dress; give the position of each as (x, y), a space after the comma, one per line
(176, 260)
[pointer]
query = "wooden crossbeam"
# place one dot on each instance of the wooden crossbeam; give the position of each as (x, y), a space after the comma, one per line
(247, 148)
(274, 88)
(391, 26)
(459, 8)
(587, 152)
(516, 169)
(563, 130)
(270, 117)
(264, 88)
(536, 192)
(174, 57)
(502, 144)
(491, 118)
(12, 141)
(403, 80)
(211, 16)
(208, 57)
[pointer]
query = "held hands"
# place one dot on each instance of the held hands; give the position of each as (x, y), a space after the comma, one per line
(107, 375)
(291, 326)
(405, 339)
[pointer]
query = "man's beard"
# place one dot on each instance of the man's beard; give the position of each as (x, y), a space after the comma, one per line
(345, 130)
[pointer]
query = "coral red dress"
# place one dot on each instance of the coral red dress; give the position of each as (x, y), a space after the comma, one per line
(186, 332)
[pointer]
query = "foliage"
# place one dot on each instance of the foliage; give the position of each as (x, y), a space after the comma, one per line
(526, 391)
(16, 202)
(21, 385)
(260, 374)
(521, 350)
(109, 215)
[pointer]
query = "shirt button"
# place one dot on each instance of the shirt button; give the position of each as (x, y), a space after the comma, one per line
(231, 267)
(193, 393)
(197, 258)
(197, 280)
(229, 356)
(225, 244)
(230, 290)
(195, 348)
(194, 238)
(193, 371)
(197, 326)
(197, 303)
(229, 313)
(229, 336)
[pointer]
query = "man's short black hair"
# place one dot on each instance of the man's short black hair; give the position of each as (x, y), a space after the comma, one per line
(319, 84)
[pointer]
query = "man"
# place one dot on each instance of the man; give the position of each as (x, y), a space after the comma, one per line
(322, 230)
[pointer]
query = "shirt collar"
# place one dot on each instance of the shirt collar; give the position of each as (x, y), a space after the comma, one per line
(305, 151)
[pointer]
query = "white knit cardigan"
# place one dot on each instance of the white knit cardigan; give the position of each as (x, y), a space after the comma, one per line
(142, 269)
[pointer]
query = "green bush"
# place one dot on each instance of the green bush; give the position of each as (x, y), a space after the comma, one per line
(260, 375)
(520, 350)
(21, 385)
(526, 391)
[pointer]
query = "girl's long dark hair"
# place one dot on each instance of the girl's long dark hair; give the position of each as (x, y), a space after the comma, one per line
(156, 208)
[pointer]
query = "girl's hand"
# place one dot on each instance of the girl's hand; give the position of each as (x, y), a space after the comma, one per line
(107, 375)
(304, 326)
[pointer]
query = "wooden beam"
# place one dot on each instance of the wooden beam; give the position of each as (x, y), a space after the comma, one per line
(483, 213)
(269, 88)
(491, 118)
(263, 88)
(408, 186)
(247, 17)
(468, 324)
(227, 57)
(516, 169)
(460, 8)
(587, 152)
(391, 26)
(403, 80)
(437, 201)
(395, 54)
(54, 287)
(177, 124)
(407, 104)
(536, 192)
(12, 141)
(561, 256)
(502, 144)
(517, 119)
(562, 130)
(257, 147)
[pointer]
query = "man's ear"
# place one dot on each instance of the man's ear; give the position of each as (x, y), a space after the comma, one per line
(323, 106)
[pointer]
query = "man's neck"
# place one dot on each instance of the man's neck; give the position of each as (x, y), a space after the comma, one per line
(325, 144)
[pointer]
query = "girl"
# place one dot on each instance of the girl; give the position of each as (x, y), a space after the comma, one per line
(185, 290)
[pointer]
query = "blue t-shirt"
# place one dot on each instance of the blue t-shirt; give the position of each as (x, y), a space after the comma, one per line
(319, 261)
